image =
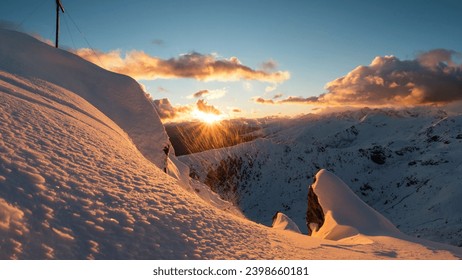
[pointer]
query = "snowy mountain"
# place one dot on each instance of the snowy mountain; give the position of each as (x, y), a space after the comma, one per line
(81, 177)
(404, 163)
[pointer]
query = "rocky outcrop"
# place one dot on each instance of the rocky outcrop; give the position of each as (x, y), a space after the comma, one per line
(314, 213)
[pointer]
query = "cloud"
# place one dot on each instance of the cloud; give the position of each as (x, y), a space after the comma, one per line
(167, 111)
(261, 100)
(205, 108)
(199, 94)
(203, 67)
(271, 101)
(434, 77)
(110, 60)
(269, 65)
(438, 56)
(276, 96)
(236, 110)
(298, 99)
(209, 94)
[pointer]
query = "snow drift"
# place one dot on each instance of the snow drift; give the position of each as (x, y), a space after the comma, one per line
(346, 215)
(117, 96)
(282, 222)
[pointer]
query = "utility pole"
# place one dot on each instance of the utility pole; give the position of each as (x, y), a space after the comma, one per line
(58, 7)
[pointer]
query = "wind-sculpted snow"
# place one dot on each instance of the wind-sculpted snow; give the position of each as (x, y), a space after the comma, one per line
(119, 97)
(282, 222)
(74, 186)
(345, 214)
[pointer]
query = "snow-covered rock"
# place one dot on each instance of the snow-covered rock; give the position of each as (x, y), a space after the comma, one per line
(346, 215)
(282, 222)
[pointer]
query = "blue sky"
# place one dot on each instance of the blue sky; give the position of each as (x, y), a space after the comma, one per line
(315, 41)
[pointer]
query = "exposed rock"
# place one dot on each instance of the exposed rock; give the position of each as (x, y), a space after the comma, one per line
(222, 179)
(434, 138)
(314, 213)
(378, 156)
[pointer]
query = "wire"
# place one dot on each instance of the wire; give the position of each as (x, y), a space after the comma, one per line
(85, 38)
(40, 4)
(70, 34)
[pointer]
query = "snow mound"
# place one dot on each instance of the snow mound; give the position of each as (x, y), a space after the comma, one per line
(282, 222)
(345, 214)
(118, 96)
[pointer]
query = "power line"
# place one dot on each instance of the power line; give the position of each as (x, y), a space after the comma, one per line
(70, 34)
(85, 38)
(40, 4)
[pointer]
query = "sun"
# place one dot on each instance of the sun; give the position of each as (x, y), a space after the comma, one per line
(207, 118)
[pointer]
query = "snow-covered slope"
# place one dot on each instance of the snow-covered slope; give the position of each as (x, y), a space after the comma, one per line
(119, 97)
(406, 164)
(73, 184)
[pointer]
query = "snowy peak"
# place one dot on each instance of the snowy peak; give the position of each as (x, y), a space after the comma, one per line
(345, 214)
(117, 96)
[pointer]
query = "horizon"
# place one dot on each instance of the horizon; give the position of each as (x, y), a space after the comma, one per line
(213, 60)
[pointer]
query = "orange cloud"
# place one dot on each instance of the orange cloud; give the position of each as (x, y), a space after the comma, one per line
(200, 93)
(142, 66)
(209, 94)
(261, 100)
(277, 96)
(431, 78)
(204, 107)
(167, 111)
(434, 77)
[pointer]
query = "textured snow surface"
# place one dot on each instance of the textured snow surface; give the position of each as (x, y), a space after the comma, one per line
(73, 185)
(119, 97)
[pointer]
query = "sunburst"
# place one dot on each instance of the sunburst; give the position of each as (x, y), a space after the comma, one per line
(207, 118)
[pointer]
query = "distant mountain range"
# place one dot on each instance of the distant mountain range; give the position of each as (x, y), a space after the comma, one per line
(407, 164)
